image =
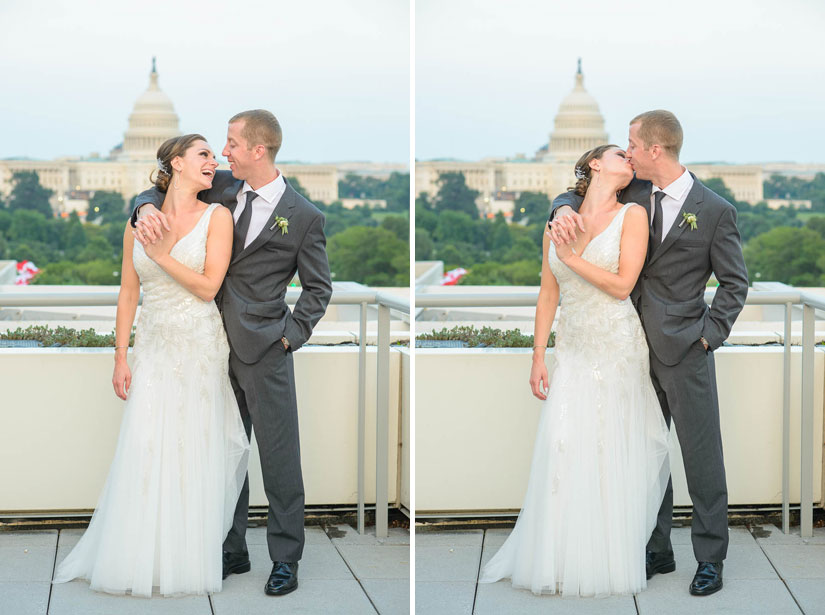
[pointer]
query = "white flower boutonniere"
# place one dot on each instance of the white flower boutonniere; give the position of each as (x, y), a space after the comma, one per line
(690, 219)
(282, 223)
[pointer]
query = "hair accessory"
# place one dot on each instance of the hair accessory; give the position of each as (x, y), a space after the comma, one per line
(162, 167)
(580, 173)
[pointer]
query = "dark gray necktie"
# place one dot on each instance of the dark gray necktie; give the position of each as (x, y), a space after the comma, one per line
(657, 219)
(242, 225)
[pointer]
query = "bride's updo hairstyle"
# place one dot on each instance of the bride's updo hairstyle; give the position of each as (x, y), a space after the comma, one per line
(176, 146)
(583, 171)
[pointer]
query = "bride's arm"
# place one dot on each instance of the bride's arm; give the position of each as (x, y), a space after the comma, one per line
(127, 301)
(545, 313)
(218, 252)
(631, 257)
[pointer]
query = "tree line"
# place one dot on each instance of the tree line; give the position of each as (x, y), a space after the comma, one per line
(783, 245)
(364, 245)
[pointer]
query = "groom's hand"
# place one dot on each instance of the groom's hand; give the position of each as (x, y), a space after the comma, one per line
(563, 228)
(150, 224)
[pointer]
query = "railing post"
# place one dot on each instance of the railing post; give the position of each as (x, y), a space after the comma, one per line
(807, 423)
(362, 412)
(382, 410)
(786, 422)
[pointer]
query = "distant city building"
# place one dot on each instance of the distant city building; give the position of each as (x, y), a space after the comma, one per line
(127, 167)
(578, 127)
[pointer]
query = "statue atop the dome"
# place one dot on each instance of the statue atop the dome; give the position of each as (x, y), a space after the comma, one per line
(155, 70)
(579, 71)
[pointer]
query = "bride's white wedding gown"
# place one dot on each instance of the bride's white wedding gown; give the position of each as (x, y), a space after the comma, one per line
(181, 456)
(599, 466)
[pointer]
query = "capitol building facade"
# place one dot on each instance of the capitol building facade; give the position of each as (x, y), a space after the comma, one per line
(127, 167)
(578, 127)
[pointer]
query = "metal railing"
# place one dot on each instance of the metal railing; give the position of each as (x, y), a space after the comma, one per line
(32, 297)
(809, 303)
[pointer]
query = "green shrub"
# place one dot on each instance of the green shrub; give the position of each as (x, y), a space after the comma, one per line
(63, 336)
(486, 337)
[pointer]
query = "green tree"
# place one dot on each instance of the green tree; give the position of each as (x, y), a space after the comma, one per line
(795, 256)
(74, 236)
(97, 248)
(454, 226)
(454, 195)
(107, 206)
(519, 273)
(27, 193)
(816, 223)
(296, 185)
(534, 206)
(371, 256)
(400, 225)
(423, 245)
(98, 272)
(499, 239)
(28, 225)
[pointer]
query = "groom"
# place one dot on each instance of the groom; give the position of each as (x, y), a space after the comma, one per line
(693, 233)
(277, 232)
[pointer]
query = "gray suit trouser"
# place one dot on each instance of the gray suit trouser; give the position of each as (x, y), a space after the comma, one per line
(266, 398)
(687, 394)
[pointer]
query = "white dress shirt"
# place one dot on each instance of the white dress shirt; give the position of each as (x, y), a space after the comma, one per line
(262, 206)
(675, 195)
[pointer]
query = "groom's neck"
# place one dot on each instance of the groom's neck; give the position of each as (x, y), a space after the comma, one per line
(262, 176)
(667, 173)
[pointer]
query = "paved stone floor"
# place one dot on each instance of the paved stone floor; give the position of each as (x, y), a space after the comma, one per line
(341, 572)
(766, 572)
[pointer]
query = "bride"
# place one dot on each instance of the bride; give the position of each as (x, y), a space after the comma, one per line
(180, 460)
(599, 468)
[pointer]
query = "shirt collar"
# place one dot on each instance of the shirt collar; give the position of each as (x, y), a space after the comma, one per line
(677, 188)
(268, 192)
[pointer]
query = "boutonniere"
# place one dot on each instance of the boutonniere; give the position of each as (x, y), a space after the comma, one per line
(690, 219)
(282, 223)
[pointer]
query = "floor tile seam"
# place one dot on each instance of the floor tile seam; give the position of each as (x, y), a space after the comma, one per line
(478, 571)
(54, 568)
(781, 577)
(355, 577)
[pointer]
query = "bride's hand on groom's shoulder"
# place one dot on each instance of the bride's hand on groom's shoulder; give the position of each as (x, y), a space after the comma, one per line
(151, 224)
(565, 225)
(539, 381)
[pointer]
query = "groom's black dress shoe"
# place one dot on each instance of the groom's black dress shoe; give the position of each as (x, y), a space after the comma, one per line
(708, 579)
(283, 578)
(659, 563)
(235, 563)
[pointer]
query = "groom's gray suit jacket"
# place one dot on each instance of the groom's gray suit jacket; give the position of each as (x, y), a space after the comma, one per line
(252, 298)
(669, 293)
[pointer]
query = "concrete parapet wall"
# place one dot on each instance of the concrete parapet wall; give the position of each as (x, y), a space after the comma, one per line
(60, 421)
(476, 421)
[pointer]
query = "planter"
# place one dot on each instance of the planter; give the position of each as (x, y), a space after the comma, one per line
(476, 420)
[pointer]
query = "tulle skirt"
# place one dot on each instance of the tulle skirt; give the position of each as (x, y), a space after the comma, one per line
(171, 491)
(597, 479)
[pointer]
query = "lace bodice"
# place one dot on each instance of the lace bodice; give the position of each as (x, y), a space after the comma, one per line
(589, 317)
(170, 313)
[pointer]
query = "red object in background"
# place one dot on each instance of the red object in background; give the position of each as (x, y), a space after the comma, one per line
(452, 277)
(26, 270)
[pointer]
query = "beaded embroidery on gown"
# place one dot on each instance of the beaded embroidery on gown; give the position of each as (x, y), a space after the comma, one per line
(182, 452)
(599, 467)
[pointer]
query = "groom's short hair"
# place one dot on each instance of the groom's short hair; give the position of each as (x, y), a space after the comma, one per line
(260, 128)
(660, 128)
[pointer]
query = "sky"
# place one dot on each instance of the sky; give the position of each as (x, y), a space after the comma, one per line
(745, 78)
(336, 73)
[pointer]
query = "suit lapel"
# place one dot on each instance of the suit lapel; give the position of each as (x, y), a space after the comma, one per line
(692, 204)
(230, 195)
(283, 209)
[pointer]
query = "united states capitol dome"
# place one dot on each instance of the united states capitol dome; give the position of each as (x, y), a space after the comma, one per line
(578, 127)
(153, 120)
